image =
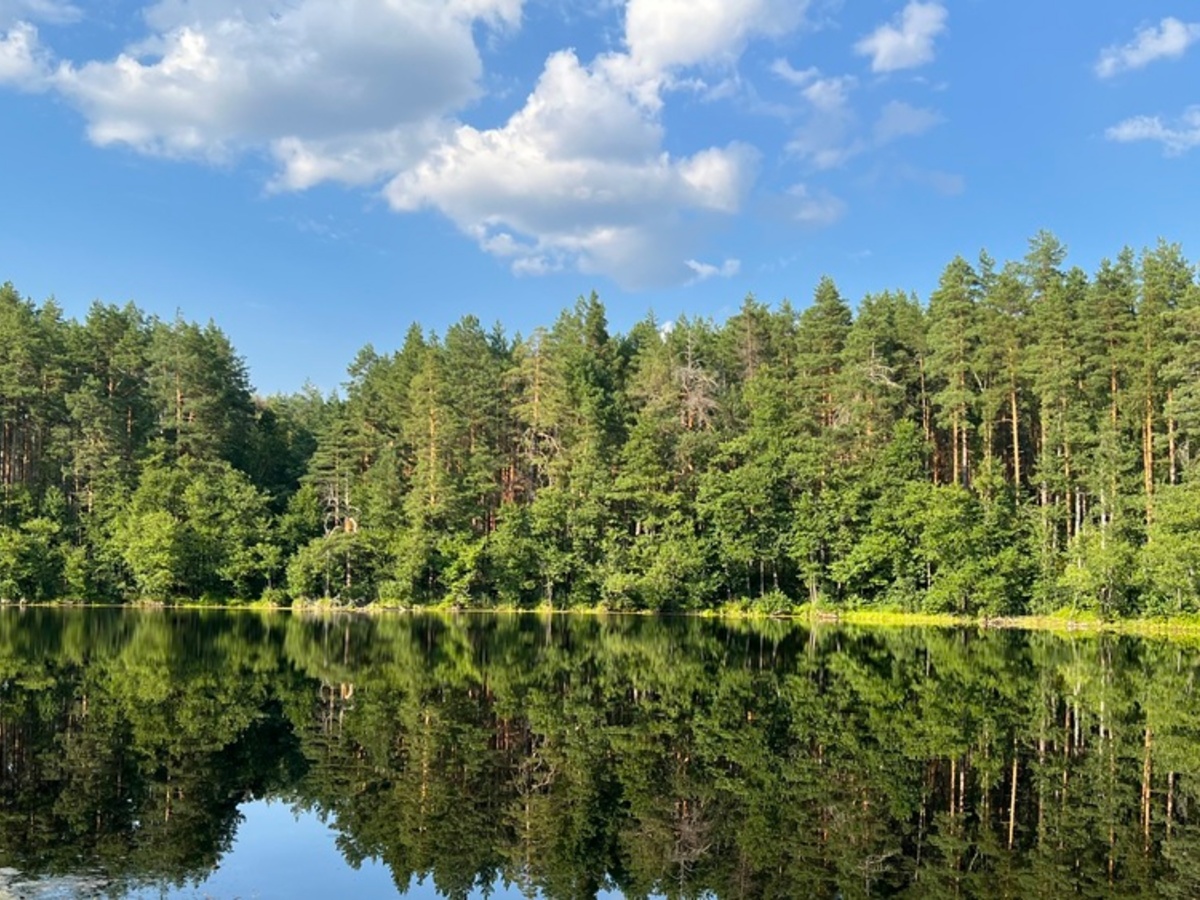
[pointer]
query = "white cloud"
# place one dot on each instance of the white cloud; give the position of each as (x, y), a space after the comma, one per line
(53, 12)
(795, 77)
(23, 62)
(578, 178)
(705, 271)
(666, 34)
(907, 41)
(1176, 137)
(830, 95)
(898, 120)
(216, 78)
(826, 94)
(824, 139)
(352, 159)
(829, 135)
(364, 92)
(816, 208)
(824, 144)
(1169, 40)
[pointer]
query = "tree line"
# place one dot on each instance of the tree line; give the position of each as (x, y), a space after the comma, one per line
(1024, 442)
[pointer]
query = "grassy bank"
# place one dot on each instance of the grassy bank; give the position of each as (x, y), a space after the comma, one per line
(1066, 621)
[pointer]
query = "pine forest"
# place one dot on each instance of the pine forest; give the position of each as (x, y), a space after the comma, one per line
(1024, 441)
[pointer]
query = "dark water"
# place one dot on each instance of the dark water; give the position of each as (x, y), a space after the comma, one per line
(197, 755)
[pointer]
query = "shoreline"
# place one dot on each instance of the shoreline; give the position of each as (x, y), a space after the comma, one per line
(1059, 623)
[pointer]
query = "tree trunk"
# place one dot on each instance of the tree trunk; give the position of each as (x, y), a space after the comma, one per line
(1148, 457)
(954, 448)
(1171, 441)
(1016, 436)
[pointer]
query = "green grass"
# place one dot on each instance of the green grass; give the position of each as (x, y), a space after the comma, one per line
(1063, 621)
(883, 618)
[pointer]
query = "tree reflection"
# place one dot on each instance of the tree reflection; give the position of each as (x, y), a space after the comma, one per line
(679, 758)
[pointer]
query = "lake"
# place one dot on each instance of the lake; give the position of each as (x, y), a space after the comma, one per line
(206, 754)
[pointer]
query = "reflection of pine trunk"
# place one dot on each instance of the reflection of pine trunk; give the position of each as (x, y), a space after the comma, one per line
(1146, 773)
(953, 781)
(922, 823)
(1170, 804)
(1012, 799)
(1112, 824)
(425, 766)
(1066, 757)
(1041, 794)
(962, 789)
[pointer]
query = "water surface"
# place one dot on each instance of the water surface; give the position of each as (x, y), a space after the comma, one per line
(220, 755)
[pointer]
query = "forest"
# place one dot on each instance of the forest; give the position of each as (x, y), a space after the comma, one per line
(1022, 442)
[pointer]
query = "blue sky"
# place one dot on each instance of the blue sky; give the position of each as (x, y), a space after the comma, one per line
(316, 174)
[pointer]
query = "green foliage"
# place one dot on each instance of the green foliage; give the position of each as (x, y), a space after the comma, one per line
(340, 566)
(1099, 574)
(31, 561)
(1170, 559)
(192, 528)
(153, 548)
(1019, 445)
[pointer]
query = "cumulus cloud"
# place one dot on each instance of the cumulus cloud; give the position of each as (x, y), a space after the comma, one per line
(577, 177)
(369, 92)
(219, 77)
(907, 41)
(23, 62)
(352, 159)
(667, 34)
(1170, 39)
(1177, 137)
(899, 120)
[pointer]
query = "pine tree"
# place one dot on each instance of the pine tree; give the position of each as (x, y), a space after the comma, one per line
(953, 337)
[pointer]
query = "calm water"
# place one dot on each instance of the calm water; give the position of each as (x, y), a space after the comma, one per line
(241, 755)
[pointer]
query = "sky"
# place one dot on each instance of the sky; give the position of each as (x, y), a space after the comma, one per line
(316, 175)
